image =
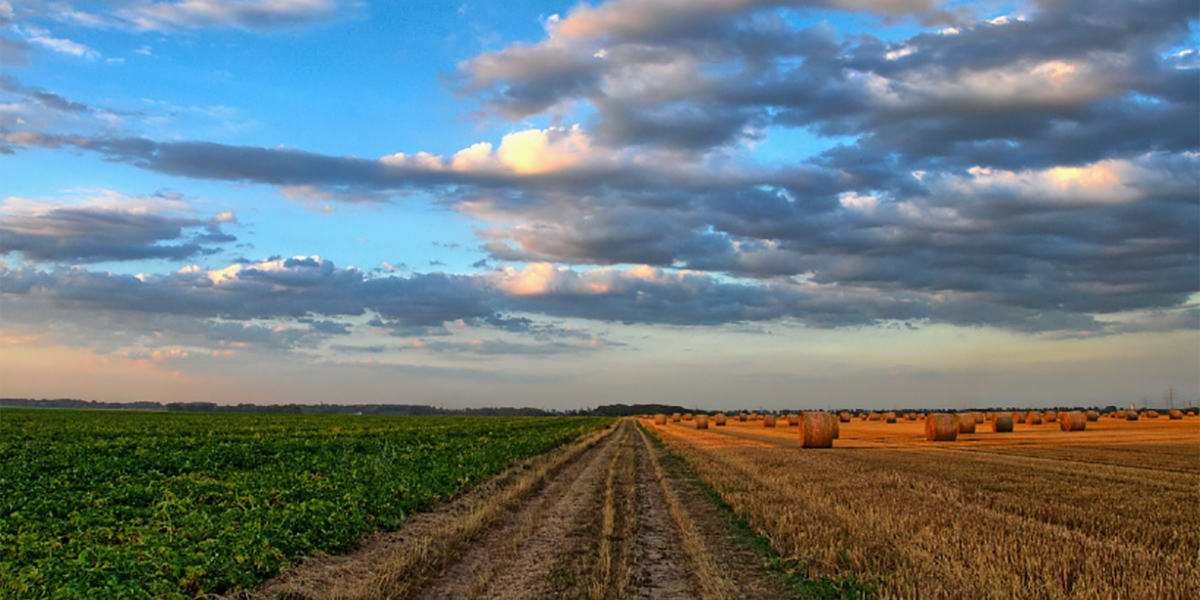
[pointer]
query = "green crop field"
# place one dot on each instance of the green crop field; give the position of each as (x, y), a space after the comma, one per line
(97, 504)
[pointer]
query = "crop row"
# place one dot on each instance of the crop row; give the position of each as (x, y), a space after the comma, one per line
(152, 505)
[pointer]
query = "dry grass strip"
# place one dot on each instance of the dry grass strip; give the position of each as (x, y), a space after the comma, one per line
(713, 585)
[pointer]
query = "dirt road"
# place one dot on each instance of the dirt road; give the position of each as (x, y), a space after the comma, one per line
(610, 516)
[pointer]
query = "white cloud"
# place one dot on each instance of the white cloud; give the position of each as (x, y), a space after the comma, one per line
(243, 14)
(1107, 182)
(60, 45)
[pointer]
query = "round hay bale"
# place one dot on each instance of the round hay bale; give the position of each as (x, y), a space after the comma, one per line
(1072, 421)
(1175, 415)
(1002, 423)
(1191, 413)
(768, 420)
(675, 418)
(688, 416)
(845, 417)
(1033, 418)
(741, 417)
(874, 417)
(889, 417)
(701, 421)
(720, 419)
(978, 417)
(660, 419)
(817, 429)
(1131, 415)
(966, 423)
(793, 420)
(941, 427)
(1151, 414)
(910, 417)
(1092, 415)
(1120, 414)
(1050, 416)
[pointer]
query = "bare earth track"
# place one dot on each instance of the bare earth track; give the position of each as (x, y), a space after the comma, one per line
(1108, 512)
(606, 517)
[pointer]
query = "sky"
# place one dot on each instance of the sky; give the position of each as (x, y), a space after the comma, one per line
(710, 203)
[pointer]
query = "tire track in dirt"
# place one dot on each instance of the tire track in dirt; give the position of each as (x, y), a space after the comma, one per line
(613, 516)
(517, 558)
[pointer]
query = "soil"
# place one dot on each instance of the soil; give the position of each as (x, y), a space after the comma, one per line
(611, 517)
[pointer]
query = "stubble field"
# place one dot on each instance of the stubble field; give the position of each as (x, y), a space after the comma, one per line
(1109, 512)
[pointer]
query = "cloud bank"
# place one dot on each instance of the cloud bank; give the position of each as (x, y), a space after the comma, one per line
(1035, 172)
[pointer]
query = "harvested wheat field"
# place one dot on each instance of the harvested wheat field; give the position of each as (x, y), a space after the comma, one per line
(1112, 511)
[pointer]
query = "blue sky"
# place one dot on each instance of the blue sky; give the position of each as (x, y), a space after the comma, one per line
(878, 203)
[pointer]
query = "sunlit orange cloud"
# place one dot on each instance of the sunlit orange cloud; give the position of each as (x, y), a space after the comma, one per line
(546, 278)
(10, 338)
(526, 152)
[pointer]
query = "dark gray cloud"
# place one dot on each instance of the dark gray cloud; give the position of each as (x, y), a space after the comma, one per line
(45, 98)
(1075, 81)
(304, 302)
(13, 52)
(1033, 174)
(85, 234)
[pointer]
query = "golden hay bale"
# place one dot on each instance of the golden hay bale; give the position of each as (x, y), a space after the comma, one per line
(978, 417)
(1003, 423)
(817, 429)
(1175, 415)
(675, 418)
(1033, 418)
(889, 417)
(754, 416)
(701, 421)
(845, 417)
(688, 416)
(768, 420)
(742, 417)
(1191, 413)
(1131, 415)
(966, 423)
(720, 419)
(988, 417)
(1151, 414)
(1072, 421)
(910, 417)
(1050, 416)
(660, 419)
(793, 420)
(1092, 415)
(941, 427)
(874, 417)
(1120, 414)
(863, 417)
(837, 429)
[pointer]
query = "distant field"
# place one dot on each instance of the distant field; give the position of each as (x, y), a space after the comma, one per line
(97, 504)
(1109, 512)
